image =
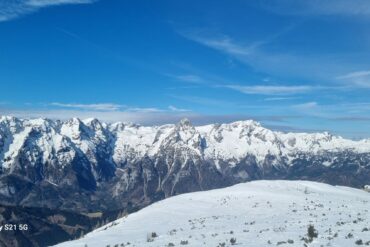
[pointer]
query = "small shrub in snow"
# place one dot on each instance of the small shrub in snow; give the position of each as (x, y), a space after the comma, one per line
(170, 244)
(367, 188)
(359, 242)
(349, 235)
(150, 237)
(281, 242)
(232, 241)
(312, 232)
(184, 242)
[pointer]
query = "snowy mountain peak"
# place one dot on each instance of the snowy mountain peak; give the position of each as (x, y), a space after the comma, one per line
(230, 142)
(184, 123)
(247, 123)
(8, 119)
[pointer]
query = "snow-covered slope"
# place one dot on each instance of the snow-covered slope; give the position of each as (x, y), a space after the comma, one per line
(259, 213)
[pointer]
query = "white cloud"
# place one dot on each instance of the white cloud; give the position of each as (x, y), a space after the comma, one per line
(96, 107)
(279, 98)
(111, 107)
(270, 90)
(318, 7)
(333, 111)
(276, 63)
(214, 102)
(308, 105)
(45, 3)
(224, 44)
(357, 78)
(286, 64)
(355, 74)
(144, 109)
(11, 9)
(187, 78)
(175, 109)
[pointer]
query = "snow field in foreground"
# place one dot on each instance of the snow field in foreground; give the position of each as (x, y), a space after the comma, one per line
(254, 214)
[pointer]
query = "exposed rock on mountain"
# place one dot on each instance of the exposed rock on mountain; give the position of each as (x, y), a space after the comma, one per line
(90, 166)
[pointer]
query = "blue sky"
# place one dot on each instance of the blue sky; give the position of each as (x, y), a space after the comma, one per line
(294, 65)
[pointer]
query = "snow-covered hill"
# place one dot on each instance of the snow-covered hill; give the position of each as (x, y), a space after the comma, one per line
(259, 213)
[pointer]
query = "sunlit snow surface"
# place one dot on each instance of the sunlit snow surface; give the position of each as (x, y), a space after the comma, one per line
(259, 213)
(228, 143)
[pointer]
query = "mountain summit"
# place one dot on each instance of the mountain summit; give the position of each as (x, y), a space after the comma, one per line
(99, 166)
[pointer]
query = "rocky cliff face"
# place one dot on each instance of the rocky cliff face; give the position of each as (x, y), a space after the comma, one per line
(90, 166)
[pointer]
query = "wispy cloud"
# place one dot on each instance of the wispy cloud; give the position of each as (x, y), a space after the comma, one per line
(111, 107)
(340, 111)
(353, 118)
(228, 45)
(96, 107)
(307, 105)
(279, 98)
(109, 112)
(214, 102)
(45, 3)
(275, 63)
(191, 78)
(175, 109)
(357, 78)
(11, 9)
(222, 43)
(270, 90)
(318, 7)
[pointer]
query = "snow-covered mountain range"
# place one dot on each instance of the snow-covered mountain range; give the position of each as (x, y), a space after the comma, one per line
(259, 213)
(226, 142)
(76, 163)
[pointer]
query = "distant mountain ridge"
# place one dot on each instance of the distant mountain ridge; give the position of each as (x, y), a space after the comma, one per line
(87, 165)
